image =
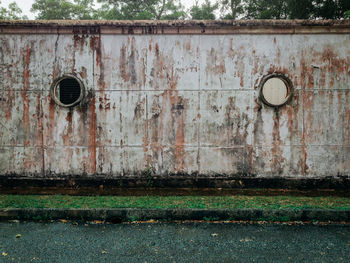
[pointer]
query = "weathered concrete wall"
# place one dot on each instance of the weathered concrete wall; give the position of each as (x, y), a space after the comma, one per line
(175, 99)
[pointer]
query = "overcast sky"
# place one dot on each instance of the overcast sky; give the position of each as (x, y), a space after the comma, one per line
(25, 5)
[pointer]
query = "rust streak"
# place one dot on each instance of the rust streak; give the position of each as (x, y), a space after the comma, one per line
(131, 61)
(97, 45)
(277, 159)
(10, 101)
(188, 46)
(92, 142)
(39, 129)
(26, 76)
(122, 64)
(178, 117)
(68, 134)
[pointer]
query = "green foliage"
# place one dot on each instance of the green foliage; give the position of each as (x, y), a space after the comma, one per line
(347, 14)
(133, 219)
(133, 9)
(266, 9)
(63, 9)
(204, 12)
(331, 9)
(301, 9)
(140, 9)
(231, 9)
(12, 12)
(174, 10)
(84, 9)
(52, 9)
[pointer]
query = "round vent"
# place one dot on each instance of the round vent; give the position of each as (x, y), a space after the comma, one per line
(275, 90)
(67, 91)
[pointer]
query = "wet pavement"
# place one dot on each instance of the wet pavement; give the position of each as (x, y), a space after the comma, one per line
(173, 242)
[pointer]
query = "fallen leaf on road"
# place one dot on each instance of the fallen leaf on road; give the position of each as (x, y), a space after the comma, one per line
(4, 254)
(99, 222)
(245, 240)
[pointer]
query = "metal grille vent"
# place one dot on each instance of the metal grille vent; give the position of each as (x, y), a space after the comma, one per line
(68, 91)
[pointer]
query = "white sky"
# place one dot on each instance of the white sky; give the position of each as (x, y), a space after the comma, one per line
(25, 5)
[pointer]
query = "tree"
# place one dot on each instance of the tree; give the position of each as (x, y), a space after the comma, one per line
(137, 9)
(53, 9)
(301, 9)
(170, 10)
(232, 8)
(331, 9)
(63, 9)
(280, 9)
(84, 9)
(141, 9)
(13, 12)
(266, 9)
(205, 11)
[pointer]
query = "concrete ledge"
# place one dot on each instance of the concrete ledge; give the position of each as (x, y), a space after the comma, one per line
(132, 214)
(151, 27)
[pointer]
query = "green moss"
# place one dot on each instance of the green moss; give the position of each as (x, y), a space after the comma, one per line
(161, 202)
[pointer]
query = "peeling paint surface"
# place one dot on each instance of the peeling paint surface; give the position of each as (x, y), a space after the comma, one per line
(179, 104)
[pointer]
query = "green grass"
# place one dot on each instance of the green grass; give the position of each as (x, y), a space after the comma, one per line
(160, 202)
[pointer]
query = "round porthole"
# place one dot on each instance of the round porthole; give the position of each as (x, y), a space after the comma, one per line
(67, 91)
(276, 90)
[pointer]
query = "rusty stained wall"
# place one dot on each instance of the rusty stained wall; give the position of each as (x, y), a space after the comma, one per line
(179, 104)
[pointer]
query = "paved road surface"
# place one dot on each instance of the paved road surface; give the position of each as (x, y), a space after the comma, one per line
(173, 242)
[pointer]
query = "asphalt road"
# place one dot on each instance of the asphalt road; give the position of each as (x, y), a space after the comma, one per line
(173, 242)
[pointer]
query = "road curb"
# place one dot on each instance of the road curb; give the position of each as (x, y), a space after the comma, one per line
(135, 214)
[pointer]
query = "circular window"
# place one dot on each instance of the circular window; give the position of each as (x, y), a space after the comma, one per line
(67, 91)
(275, 90)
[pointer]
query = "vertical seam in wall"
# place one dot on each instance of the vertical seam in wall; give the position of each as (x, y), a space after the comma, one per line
(56, 46)
(303, 129)
(147, 132)
(252, 150)
(93, 94)
(199, 107)
(42, 126)
(41, 115)
(122, 154)
(343, 135)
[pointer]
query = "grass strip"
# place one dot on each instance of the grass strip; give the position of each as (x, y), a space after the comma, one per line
(161, 202)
